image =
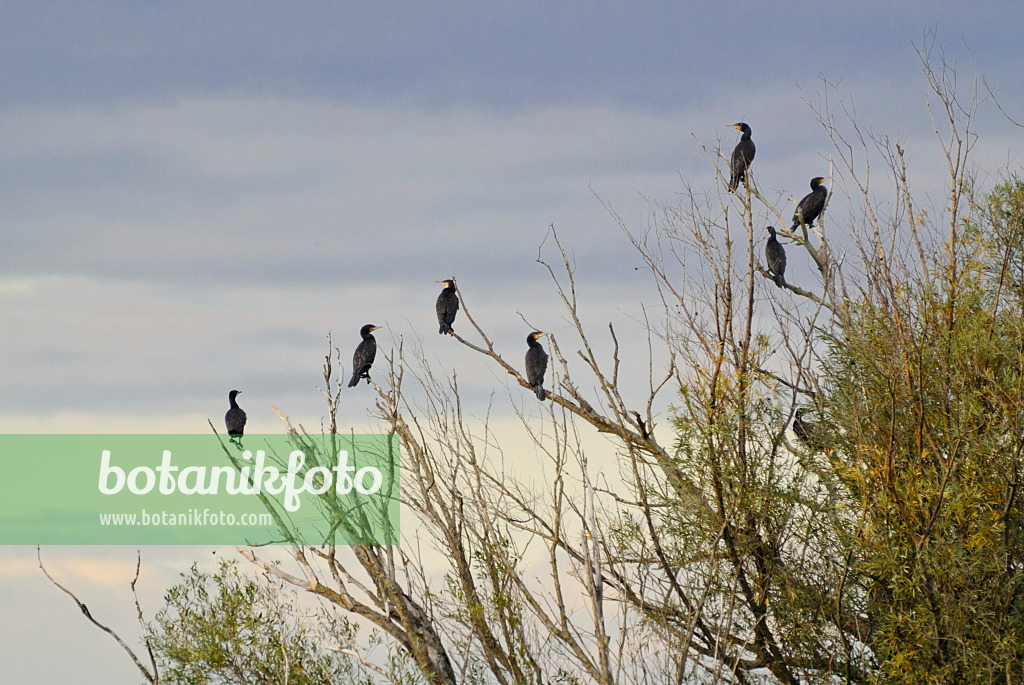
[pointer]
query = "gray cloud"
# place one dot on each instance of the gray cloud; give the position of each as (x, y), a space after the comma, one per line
(194, 194)
(492, 54)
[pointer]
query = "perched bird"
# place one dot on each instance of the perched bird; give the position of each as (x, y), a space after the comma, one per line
(536, 364)
(447, 306)
(362, 360)
(742, 156)
(644, 433)
(776, 257)
(807, 431)
(810, 207)
(235, 418)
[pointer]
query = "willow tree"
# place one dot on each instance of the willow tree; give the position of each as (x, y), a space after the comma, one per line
(730, 551)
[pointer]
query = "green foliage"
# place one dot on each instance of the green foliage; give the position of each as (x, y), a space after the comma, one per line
(894, 553)
(226, 627)
(927, 410)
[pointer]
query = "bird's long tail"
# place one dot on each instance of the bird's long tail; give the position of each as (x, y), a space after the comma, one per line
(540, 392)
(780, 280)
(355, 380)
(445, 329)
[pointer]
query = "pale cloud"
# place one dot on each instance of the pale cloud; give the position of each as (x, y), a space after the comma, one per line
(68, 569)
(13, 286)
(17, 568)
(102, 572)
(85, 422)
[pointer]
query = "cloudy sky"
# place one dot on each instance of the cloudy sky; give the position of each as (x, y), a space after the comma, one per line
(194, 194)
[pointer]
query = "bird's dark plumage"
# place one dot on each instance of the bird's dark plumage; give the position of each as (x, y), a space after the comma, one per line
(447, 306)
(776, 256)
(742, 156)
(806, 431)
(362, 360)
(810, 207)
(536, 364)
(235, 418)
(644, 433)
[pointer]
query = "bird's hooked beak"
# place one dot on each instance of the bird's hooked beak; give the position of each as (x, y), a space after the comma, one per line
(736, 126)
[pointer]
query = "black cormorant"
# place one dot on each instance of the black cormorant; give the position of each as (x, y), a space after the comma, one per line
(235, 418)
(776, 257)
(742, 156)
(447, 306)
(806, 431)
(810, 207)
(536, 364)
(642, 426)
(362, 360)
